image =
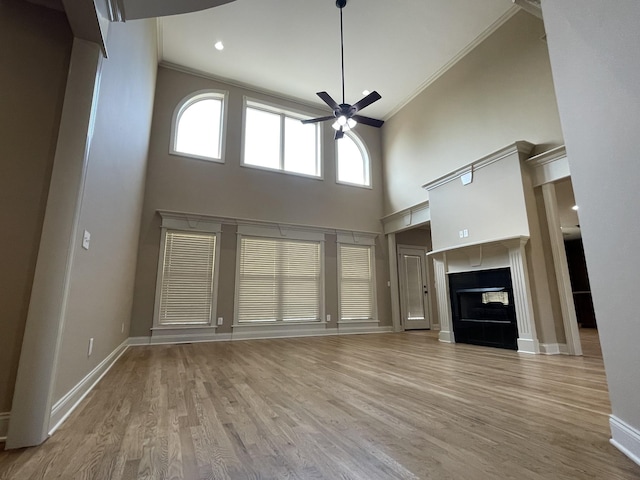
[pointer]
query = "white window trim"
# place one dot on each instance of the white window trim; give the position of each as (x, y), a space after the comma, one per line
(186, 223)
(285, 233)
(291, 113)
(367, 159)
(185, 103)
(355, 238)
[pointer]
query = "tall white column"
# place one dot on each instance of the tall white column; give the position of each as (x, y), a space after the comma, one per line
(527, 337)
(569, 320)
(442, 297)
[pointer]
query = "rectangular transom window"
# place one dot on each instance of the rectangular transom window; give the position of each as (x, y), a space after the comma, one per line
(279, 280)
(187, 283)
(276, 139)
(357, 282)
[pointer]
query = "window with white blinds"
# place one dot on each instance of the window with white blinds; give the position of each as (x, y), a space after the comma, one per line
(357, 284)
(187, 285)
(279, 280)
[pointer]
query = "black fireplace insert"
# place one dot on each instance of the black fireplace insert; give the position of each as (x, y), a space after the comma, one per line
(482, 308)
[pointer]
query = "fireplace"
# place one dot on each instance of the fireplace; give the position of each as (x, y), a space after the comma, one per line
(482, 307)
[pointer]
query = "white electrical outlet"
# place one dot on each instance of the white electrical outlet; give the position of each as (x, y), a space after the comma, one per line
(220, 320)
(122, 328)
(461, 234)
(328, 318)
(465, 233)
(90, 350)
(86, 238)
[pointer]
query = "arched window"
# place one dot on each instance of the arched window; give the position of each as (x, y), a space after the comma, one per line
(353, 161)
(197, 129)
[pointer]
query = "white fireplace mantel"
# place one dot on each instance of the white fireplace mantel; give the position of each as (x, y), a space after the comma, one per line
(517, 262)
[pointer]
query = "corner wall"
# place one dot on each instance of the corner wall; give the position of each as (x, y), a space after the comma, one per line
(97, 185)
(499, 93)
(36, 48)
(596, 65)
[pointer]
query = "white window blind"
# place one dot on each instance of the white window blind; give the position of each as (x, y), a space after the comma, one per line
(186, 295)
(279, 280)
(357, 289)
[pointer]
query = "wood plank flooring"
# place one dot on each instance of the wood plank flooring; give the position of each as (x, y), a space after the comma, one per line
(388, 406)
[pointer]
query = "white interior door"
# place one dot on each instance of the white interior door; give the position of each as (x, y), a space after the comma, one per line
(414, 306)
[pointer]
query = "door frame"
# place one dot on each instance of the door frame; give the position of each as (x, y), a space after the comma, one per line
(427, 284)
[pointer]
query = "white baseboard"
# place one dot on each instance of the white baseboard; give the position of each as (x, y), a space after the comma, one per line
(446, 337)
(625, 438)
(554, 349)
(4, 425)
(180, 338)
(63, 407)
(254, 332)
(528, 345)
(349, 328)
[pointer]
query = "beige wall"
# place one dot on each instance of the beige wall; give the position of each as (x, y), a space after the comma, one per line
(231, 190)
(491, 207)
(100, 290)
(499, 93)
(36, 46)
(595, 57)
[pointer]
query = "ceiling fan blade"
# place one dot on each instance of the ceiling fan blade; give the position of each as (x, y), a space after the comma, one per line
(366, 101)
(372, 122)
(328, 100)
(319, 119)
(339, 134)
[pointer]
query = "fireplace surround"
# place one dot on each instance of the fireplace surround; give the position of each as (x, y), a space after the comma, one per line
(482, 308)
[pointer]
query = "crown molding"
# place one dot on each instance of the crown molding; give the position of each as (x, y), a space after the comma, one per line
(520, 147)
(531, 6)
(459, 56)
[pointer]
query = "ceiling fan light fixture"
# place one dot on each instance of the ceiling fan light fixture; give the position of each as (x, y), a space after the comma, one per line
(346, 116)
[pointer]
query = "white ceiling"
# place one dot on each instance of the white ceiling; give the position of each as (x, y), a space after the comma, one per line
(292, 47)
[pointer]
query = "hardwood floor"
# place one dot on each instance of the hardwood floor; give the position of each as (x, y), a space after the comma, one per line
(388, 406)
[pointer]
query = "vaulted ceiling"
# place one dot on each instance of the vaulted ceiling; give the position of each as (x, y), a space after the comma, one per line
(292, 47)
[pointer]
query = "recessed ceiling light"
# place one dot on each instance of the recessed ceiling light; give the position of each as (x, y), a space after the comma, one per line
(575, 207)
(219, 46)
(366, 92)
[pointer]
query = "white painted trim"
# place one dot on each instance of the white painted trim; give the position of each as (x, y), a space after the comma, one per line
(411, 217)
(356, 238)
(528, 345)
(262, 333)
(187, 102)
(351, 329)
(67, 404)
(187, 222)
(520, 147)
(394, 284)
(461, 54)
(446, 336)
(4, 425)
(561, 267)
(280, 231)
(254, 222)
(179, 338)
(549, 166)
(625, 438)
(554, 349)
(278, 330)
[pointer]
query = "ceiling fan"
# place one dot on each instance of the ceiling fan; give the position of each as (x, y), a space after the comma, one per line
(346, 116)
